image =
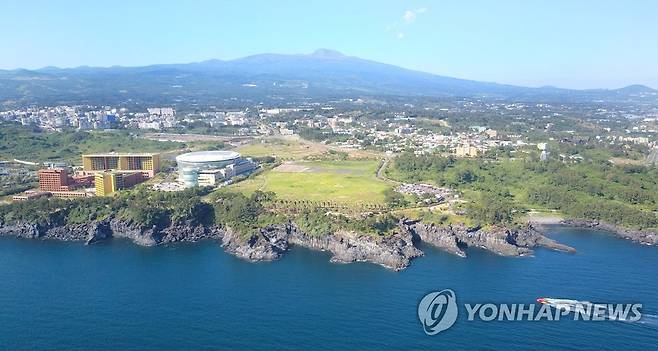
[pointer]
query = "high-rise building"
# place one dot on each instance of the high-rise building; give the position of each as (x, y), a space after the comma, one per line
(57, 182)
(147, 163)
(54, 179)
(108, 182)
(104, 183)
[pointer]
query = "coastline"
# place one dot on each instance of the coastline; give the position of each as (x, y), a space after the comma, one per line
(541, 219)
(638, 236)
(394, 251)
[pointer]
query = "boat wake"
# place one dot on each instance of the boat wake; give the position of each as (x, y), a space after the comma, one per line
(650, 320)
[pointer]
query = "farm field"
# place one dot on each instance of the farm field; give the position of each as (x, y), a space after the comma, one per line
(342, 182)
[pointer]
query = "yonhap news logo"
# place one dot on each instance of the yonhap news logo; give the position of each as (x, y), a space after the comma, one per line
(438, 311)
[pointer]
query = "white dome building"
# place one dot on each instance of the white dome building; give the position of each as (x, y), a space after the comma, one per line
(205, 168)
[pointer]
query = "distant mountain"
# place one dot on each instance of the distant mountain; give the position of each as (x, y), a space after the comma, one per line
(636, 89)
(323, 73)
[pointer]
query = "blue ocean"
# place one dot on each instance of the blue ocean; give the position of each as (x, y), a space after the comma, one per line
(115, 295)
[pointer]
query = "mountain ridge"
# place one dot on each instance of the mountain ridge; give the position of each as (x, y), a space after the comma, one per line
(320, 53)
(323, 72)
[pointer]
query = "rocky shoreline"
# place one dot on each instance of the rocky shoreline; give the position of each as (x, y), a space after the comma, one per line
(499, 240)
(394, 251)
(638, 236)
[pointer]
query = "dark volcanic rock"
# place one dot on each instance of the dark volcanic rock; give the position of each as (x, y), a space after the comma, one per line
(511, 241)
(88, 232)
(529, 236)
(392, 251)
(265, 244)
(140, 236)
(269, 243)
(100, 230)
(154, 236)
(186, 233)
(20, 230)
(640, 236)
(499, 240)
(441, 237)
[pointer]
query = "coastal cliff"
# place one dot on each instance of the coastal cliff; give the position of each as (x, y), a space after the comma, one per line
(499, 240)
(393, 251)
(638, 236)
(111, 228)
(265, 244)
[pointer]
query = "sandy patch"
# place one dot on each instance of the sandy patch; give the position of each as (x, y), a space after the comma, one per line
(543, 218)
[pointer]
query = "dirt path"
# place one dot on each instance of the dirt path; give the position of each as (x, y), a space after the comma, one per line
(381, 171)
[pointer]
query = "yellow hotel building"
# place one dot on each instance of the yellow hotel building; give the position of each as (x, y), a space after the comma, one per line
(107, 182)
(147, 163)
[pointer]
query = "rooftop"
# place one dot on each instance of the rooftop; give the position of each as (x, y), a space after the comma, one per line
(145, 154)
(207, 156)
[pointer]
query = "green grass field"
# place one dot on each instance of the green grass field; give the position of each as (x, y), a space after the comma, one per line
(342, 182)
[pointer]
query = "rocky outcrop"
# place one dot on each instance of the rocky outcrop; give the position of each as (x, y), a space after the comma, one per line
(640, 236)
(89, 232)
(265, 244)
(188, 233)
(529, 236)
(393, 251)
(499, 240)
(20, 230)
(111, 228)
(269, 243)
(138, 235)
(443, 238)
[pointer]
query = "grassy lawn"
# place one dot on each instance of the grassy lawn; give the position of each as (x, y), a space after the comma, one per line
(343, 182)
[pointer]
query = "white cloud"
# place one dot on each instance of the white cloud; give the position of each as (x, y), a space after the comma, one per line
(409, 16)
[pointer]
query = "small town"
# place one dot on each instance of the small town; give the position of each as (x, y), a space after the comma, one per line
(345, 125)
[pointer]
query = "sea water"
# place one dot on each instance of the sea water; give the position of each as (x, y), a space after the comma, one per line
(116, 295)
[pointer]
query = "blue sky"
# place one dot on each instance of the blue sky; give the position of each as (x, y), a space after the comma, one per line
(575, 44)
